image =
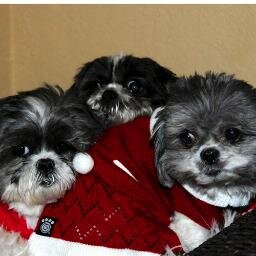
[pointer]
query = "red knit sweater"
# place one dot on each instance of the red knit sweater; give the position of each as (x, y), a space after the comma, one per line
(111, 208)
(115, 207)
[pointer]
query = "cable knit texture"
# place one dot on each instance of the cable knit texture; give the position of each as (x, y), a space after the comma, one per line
(123, 206)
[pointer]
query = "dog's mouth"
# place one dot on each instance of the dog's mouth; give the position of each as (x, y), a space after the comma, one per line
(212, 172)
(47, 180)
(110, 107)
(106, 107)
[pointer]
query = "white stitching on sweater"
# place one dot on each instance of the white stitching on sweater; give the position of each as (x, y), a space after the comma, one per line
(122, 167)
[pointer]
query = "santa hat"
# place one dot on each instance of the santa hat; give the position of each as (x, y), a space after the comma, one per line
(119, 208)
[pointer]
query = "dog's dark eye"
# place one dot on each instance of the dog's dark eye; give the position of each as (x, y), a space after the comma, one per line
(233, 135)
(21, 151)
(187, 138)
(134, 86)
(63, 147)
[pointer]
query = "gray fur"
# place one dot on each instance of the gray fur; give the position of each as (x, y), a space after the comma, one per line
(207, 106)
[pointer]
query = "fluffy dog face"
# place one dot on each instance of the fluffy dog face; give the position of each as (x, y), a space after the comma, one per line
(206, 135)
(40, 133)
(121, 88)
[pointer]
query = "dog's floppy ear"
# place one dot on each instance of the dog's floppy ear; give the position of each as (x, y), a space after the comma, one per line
(79, 77)
(165, 75)
(85, 125)
(91, 68)
(157, 136)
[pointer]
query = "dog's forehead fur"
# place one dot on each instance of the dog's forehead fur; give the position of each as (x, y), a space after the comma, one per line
(26, 116)
(121, 67)
(211, 102)
(44, 116)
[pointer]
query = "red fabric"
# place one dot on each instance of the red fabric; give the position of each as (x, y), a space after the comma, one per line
(108, 207)
(202, 213)
(13, 222)
(249, 208)
(253, 206)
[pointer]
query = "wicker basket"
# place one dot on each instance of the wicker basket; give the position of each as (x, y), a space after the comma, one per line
(238, 239)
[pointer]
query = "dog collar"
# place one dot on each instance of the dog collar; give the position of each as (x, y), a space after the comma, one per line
(11, 221)
(221, 198)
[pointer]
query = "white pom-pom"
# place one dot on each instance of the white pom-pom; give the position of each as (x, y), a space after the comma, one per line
(83, 163)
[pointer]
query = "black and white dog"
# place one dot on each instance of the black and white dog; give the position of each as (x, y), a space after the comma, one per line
(121, 88)
(40, 133)
(205, 139)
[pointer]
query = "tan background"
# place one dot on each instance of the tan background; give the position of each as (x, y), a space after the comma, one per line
(49, 42)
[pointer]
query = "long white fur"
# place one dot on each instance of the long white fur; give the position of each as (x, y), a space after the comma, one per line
(191, 234)
(39, 110)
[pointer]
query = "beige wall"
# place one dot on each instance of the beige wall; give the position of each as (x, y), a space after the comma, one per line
(5, 58)
(49, 42)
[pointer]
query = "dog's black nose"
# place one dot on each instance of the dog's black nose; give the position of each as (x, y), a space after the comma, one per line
(210, 155)
(109, 95)
(45, 165)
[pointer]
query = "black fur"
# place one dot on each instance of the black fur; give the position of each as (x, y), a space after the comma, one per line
(95, 76)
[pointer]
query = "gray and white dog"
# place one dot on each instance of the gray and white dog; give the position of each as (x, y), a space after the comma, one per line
(40, 133)
(205, 139)
(122, 87)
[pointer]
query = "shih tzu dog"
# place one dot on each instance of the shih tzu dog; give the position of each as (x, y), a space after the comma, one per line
(120, 88)
(40, 133)
(205, 139)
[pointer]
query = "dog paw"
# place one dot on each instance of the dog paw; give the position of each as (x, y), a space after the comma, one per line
(190, 234)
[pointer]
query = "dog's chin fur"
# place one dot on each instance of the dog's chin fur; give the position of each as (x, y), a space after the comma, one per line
(37, 128)
(121, 112)
(207, 106)
(29, 189)
(115, 74)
